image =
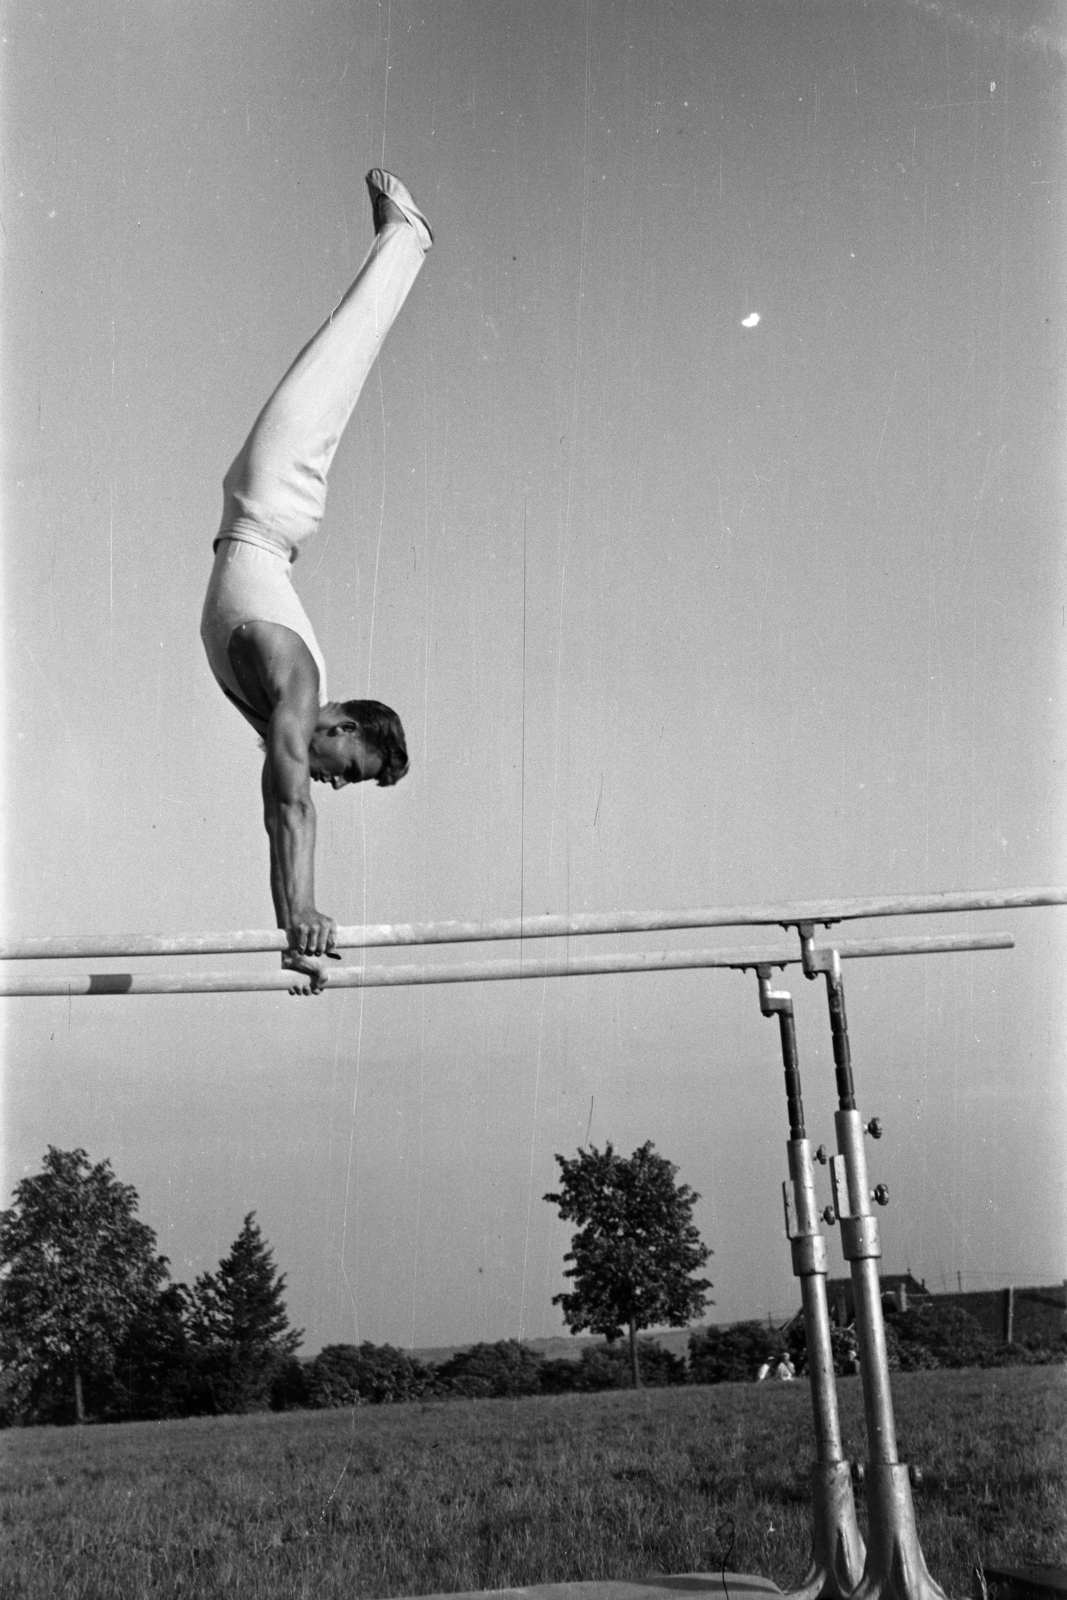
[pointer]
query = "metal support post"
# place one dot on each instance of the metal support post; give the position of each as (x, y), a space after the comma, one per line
(895, 1568)
(837, 1552)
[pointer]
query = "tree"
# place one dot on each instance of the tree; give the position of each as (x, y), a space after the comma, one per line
(77, 1269)
(372, 1374)
(493, 1371)
(152, 1376)
(636, 1245)
(239, 1328)
(731, 1354)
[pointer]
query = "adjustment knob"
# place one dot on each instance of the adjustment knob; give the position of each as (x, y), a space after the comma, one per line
(874, 1128)
(880, 1194)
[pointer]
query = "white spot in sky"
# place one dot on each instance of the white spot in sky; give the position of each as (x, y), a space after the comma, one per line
(751, 321)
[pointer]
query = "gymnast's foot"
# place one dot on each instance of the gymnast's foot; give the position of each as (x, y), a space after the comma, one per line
(391, 202)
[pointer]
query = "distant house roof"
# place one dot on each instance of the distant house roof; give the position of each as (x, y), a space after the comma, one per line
(890, 1281)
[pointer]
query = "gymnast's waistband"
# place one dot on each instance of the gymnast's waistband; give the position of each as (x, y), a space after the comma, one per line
(248, 533)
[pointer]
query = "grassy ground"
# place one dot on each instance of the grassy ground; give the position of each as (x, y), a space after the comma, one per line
(484, 1494)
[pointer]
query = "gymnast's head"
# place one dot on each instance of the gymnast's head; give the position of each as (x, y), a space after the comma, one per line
(357, 741)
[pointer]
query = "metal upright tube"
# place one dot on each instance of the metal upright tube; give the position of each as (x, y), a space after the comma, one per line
(862, 1249)
(846, 1093)
(895, 1568)
(809, 1265)
(859, 1235)
(837, 1552)
(787, 1029)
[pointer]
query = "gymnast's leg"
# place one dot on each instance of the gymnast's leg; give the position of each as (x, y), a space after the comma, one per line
(276, 488)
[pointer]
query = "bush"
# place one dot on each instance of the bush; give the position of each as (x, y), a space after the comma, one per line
(843, 1347)
(492, 1371)
(561, 1376)
(10, 1403)
(1037, 1349)
(344, 1375)
(932, 1335)
(733, 1354)
(24, 1402)
(289, 1387)
(658, 1368)
(607, 1366)
(604, 1366)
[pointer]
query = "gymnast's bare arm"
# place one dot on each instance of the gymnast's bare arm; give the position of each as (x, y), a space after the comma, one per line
(276, 671)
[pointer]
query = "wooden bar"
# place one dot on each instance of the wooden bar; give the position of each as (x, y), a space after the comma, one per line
(516, 967)
(786, 915)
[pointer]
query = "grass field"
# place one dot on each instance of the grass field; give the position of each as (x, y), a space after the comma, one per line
(483, 1494)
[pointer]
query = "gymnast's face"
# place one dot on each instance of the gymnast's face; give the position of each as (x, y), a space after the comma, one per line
(339, 755)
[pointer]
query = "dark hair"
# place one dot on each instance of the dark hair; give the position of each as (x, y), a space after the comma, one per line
(381, 727)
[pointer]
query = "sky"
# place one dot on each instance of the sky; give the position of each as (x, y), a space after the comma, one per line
(676, 611)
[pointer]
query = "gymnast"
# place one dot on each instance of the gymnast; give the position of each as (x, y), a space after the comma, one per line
(260, 645)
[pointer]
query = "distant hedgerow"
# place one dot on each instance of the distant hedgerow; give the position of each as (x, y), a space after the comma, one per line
(367, 1374)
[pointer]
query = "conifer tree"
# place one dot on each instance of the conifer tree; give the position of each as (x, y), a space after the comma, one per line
(239, 1326)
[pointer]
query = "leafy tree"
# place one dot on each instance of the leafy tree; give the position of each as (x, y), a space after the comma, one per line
(152, 1376)
(636, 1247)
(239, 1328)
(77, 1269)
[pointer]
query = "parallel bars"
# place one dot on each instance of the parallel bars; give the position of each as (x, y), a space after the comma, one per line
(786, 914)
(891, 1567)
(355, 977)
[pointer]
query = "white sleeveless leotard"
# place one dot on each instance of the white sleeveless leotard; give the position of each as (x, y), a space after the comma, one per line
(250, 583)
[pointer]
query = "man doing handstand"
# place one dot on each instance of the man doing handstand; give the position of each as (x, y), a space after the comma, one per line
(260, 645)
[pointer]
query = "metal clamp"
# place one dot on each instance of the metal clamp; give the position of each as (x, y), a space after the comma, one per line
(806, 1243)
(816, 961)
(859, 1230)
(859, 1239)
(839, 1185)
(809, 1256)
(772, 1002)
